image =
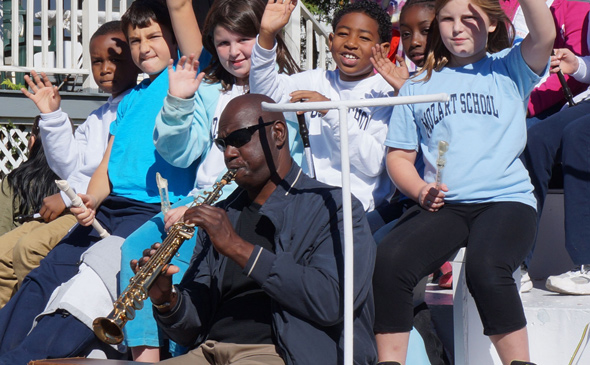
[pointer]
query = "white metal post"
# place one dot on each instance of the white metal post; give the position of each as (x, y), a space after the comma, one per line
(348, 238)
(15, 32)
(292, 34)
(74, 12)
(29, 40)
(343, 107)
(44, 35)
(59, 36)
(89, 26)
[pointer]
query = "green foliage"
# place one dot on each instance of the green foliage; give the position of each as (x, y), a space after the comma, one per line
(8, 84)
(324, 8)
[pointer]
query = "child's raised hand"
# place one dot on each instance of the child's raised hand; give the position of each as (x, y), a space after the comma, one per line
(431, 198)
(276, 16)
(563, 60)
(307, 96)
(43, 94)
(396, 76)
(184, 81)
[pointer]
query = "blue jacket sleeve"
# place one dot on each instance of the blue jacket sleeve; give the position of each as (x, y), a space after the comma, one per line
(183, 127)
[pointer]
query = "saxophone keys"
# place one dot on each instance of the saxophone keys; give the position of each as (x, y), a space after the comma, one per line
(130, 312)
(138, 301)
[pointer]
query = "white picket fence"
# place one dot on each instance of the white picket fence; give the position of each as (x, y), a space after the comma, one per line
(54, 39)
(13, 147)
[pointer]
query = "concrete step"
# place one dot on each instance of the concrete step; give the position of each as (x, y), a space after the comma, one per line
(555, 325)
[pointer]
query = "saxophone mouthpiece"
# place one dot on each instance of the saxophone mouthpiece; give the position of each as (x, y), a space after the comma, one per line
(229, 176)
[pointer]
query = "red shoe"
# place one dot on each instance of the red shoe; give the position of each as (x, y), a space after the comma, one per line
(446, 280)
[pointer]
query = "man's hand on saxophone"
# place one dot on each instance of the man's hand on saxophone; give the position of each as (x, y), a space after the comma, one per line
(223, 237)
(221, 232)
(162, 293)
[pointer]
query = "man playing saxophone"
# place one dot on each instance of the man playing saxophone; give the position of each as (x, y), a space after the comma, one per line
(265, 283)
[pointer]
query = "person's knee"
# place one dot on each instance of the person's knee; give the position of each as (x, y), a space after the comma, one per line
(25, 257)
(536, 142)
(393, 268)
(484, 276)
(21, 252)
(576, 134)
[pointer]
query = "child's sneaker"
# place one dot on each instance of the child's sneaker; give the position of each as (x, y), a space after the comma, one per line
(526, 284)
(575, 282)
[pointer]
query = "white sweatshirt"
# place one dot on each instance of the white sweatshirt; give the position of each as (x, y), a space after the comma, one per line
(367, 126)
(75, 156)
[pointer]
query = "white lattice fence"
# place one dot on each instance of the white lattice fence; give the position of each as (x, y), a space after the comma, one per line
(13, 147)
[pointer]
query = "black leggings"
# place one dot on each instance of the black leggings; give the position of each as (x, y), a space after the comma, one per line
(497, 236)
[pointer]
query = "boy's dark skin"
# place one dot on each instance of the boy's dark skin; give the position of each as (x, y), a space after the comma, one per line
(265, 173)
(351, 44)
(151, 49)
(260, 167)
(113, 71)
(111, 59)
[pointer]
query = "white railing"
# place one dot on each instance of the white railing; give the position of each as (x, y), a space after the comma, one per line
(304, 32)
(52, 40)
(55, 40)
(343, 106)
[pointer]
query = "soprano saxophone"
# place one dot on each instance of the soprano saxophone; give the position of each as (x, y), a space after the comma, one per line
(110, 329)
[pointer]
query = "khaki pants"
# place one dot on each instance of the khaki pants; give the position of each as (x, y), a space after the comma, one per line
(217, 353)
(24, 247)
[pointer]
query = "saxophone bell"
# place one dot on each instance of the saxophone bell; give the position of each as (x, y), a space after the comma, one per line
(110, 329)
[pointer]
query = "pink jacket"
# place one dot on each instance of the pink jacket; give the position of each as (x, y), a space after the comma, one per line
(571, 25)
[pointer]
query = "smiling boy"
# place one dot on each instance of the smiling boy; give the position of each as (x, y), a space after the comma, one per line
(148, 29)
(73, 157)
(357, 28)
(122, 195)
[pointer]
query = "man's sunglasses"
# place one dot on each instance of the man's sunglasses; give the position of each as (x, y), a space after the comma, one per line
(239, 137)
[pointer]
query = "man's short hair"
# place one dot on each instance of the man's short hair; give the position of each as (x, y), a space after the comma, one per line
(372, 10)
(142, 13)
(111, 27)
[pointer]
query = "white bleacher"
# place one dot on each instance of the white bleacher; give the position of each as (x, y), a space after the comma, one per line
(556, 322)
